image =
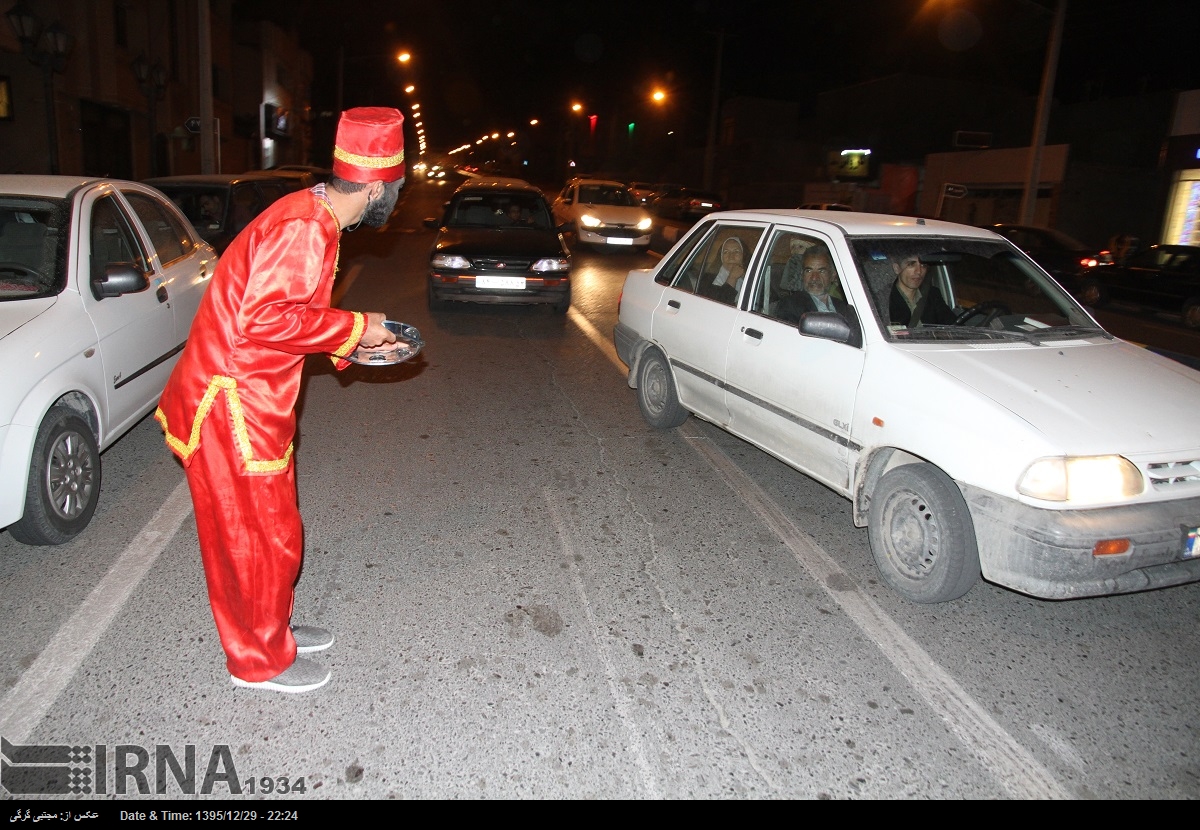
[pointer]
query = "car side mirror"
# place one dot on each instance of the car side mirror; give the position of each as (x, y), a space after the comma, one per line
(119, 278)
(432, 222)
(829, 325)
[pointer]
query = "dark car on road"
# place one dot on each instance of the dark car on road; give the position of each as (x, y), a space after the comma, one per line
(1061, 256)
(1161, 278)
(497, 243)
(684, 203)
(220, 205)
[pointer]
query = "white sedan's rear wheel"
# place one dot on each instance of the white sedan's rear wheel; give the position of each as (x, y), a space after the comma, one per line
(657, 397)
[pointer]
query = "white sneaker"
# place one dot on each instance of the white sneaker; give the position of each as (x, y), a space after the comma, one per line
(302, 676)
(309, 638)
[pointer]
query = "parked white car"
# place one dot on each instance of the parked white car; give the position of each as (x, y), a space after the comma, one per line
(602, 213)
(1014, 439)
(99, 282)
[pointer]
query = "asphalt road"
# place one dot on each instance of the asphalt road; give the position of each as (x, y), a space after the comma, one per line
(537, 596)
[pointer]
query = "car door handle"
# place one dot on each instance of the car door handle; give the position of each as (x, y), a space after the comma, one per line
(161, 293)
(672, 303)
(755, 333)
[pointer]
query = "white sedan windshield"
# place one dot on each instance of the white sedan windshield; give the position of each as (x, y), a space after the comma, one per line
(939, 288)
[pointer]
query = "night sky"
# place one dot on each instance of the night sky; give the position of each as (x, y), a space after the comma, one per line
(485, 65)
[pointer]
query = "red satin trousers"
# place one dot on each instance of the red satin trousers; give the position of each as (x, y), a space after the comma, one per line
(252, 544)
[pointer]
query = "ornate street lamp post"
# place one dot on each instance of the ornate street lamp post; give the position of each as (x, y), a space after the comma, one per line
(152, 80)
(46, 49)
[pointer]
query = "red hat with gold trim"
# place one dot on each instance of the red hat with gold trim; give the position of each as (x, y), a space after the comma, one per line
(370, 145)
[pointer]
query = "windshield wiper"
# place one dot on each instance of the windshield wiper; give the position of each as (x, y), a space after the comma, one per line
(1067, 333)
(944, 333)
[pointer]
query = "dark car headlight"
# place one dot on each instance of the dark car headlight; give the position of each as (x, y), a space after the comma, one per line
(458, 263)
(551, 264)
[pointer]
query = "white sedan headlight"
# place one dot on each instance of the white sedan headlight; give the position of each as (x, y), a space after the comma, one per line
(590, 221)
(551, 264)
(1082, 480)
(645, 224)
(458, 263)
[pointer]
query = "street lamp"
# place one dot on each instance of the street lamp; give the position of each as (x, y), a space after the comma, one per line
(49, 51)
(152, 80)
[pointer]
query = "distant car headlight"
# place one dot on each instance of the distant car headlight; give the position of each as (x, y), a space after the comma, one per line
(589, 221)
(551, 264)
(1082, 480)
(458, 263)
(645, 224)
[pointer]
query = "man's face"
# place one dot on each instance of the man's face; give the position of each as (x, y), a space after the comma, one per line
(818, 274)
(378, 210)
(911, 272)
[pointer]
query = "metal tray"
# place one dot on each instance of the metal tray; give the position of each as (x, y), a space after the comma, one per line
(407, 346)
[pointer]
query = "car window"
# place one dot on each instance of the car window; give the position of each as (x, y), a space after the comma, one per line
(715, 267)
(781, 273)
(205, 207)
(499, 209)
(170, 239)
(245, 203)
(33, 236)
(969, 289)
(112, 239)
(594, 194)
(676, 270)
(274, 190)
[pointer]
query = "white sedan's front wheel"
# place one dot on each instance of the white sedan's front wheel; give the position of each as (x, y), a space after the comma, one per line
(922, 536)
(64, 481)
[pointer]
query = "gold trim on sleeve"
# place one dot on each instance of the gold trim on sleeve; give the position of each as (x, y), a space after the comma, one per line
(360, 325)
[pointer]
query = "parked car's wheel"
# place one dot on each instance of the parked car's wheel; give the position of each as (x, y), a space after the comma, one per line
(1092, 293)
(657, 397)
(64, 481)
(561, 306)
(1191, 313)
(922, 536)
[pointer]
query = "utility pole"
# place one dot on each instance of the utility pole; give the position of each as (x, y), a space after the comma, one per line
(1045, 95)
(204, 59)
(710, 148)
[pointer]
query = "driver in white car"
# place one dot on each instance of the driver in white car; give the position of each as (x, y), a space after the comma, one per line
(909, 304)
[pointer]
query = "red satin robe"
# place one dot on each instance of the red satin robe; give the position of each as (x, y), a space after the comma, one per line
(228, 412)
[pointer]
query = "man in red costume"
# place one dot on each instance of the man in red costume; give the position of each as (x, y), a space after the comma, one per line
(228, 410)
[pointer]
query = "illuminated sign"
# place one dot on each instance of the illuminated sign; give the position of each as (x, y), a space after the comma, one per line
(850, 164)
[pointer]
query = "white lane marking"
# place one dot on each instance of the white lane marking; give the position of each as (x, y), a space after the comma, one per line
(604, 344)
(39, 687)
(610, 671)
(1019, 772)
(1060, 744)
(343, 284)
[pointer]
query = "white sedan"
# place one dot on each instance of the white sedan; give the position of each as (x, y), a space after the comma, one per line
(603, 214)
(99, 282)
(979, 419)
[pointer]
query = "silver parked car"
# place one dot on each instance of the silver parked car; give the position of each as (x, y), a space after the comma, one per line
(99, 282)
